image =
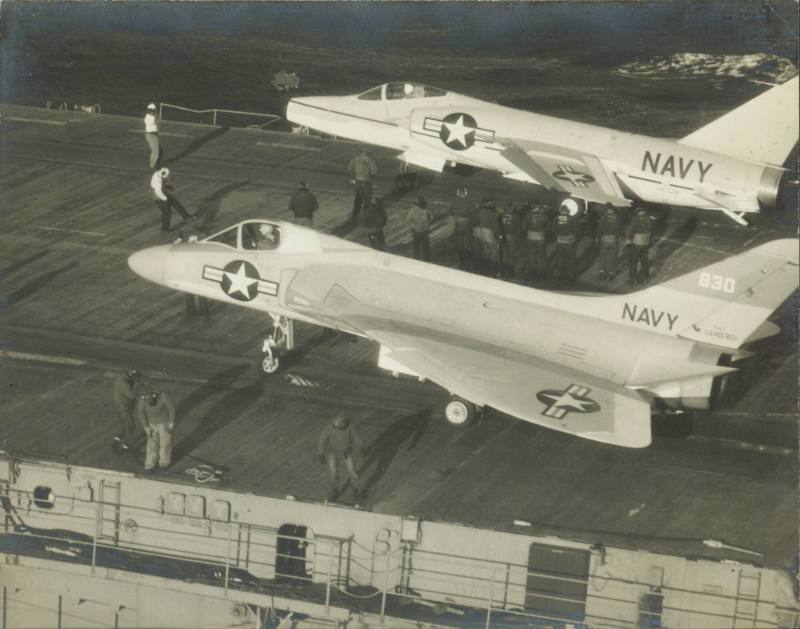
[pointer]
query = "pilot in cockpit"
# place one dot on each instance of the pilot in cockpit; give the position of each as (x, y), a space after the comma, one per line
(267, 237)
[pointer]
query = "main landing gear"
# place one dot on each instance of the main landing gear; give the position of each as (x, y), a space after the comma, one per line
(460, 412)
(280, 341)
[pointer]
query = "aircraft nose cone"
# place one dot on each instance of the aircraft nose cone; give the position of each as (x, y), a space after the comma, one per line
(150, 263)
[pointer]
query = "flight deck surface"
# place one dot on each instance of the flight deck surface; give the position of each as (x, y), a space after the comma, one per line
(77, 202)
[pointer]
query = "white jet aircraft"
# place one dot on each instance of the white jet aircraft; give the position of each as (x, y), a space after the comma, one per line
(589, 365)
(733, 164)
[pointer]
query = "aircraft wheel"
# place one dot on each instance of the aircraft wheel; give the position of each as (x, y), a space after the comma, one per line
(270, 363)
(405, 181)
(459, 412)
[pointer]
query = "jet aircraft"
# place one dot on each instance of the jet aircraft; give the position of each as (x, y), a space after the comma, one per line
(589, 365)
(733, 164)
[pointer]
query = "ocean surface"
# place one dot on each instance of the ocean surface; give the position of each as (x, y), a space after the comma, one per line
(561, 58)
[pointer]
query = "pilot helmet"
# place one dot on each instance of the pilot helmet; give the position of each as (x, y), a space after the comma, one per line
(571, 206)
(408, 89)
(266, 230)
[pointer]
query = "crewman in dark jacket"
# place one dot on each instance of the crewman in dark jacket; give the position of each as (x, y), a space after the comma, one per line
(362, 169)
(157, 416)
(303, 204)
(639, 236)
(487, 232)
(511, 236)
(126, 393)
(608, 231)
(340, 443)
(535, 226)
(566, 228)
(464, 214)
(419, 219)
(374, 221)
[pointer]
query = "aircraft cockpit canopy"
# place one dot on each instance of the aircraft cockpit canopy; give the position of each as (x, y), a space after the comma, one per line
(400, 90)
(250, 236)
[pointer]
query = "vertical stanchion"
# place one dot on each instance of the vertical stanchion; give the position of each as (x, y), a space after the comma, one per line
(5, 606)
(214, 120)
(228, 557)
(58, 621)
(385, 582)
(491, 602)
(328, 582)
(97, 515)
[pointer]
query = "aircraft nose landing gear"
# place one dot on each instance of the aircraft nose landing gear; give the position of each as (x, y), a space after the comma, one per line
(280, 340)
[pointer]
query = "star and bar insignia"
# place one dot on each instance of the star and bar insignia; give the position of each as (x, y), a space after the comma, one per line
(458, 131)
(240, 280)
(575, 177)
(573, 399)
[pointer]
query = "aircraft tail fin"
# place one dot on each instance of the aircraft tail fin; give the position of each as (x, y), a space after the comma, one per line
(726, 303)
(764, 129)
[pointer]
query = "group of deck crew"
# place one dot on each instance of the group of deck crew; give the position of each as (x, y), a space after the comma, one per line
(512, 242)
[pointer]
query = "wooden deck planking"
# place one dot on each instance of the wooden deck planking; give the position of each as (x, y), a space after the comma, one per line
(95, 179)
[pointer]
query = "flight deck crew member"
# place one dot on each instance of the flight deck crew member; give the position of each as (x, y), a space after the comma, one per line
(127, 387)
(419, 218)
(362, 169)
(339, 444)
(157, 416)
(510, 237)
(535, 226)
(151, 135)
(487, 232)
(566, 228)
(303, 204)
(375, 220)
(194, 303)
(608, 230)
(639, 236)
(464, 215)
(165, 200)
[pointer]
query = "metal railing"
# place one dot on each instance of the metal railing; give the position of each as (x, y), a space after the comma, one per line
(216, 114)
(238, 555)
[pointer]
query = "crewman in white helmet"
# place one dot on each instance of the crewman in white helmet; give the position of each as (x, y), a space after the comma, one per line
(566, 228)
(151, 135)
(165, 200)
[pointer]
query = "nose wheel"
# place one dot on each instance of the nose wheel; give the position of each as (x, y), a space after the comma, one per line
(405, 182)
(280, 340)
(460, 412)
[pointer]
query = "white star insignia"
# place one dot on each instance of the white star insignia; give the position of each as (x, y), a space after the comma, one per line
(457, 131)
(240, 281)
(567, 400)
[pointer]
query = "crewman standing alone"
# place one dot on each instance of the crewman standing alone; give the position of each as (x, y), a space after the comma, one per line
(165, 200)
(339, 443)
(157, 416)
(303, 204)
(151, 135)
(362, 169)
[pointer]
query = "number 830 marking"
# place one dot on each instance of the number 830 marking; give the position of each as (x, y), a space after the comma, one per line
(717, 282)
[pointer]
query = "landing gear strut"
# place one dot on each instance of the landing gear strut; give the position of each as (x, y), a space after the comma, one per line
(460, 412)
(280, 341)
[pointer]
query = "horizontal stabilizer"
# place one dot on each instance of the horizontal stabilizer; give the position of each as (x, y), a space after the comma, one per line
(763, 130)
(764, 331)
(650, 371)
